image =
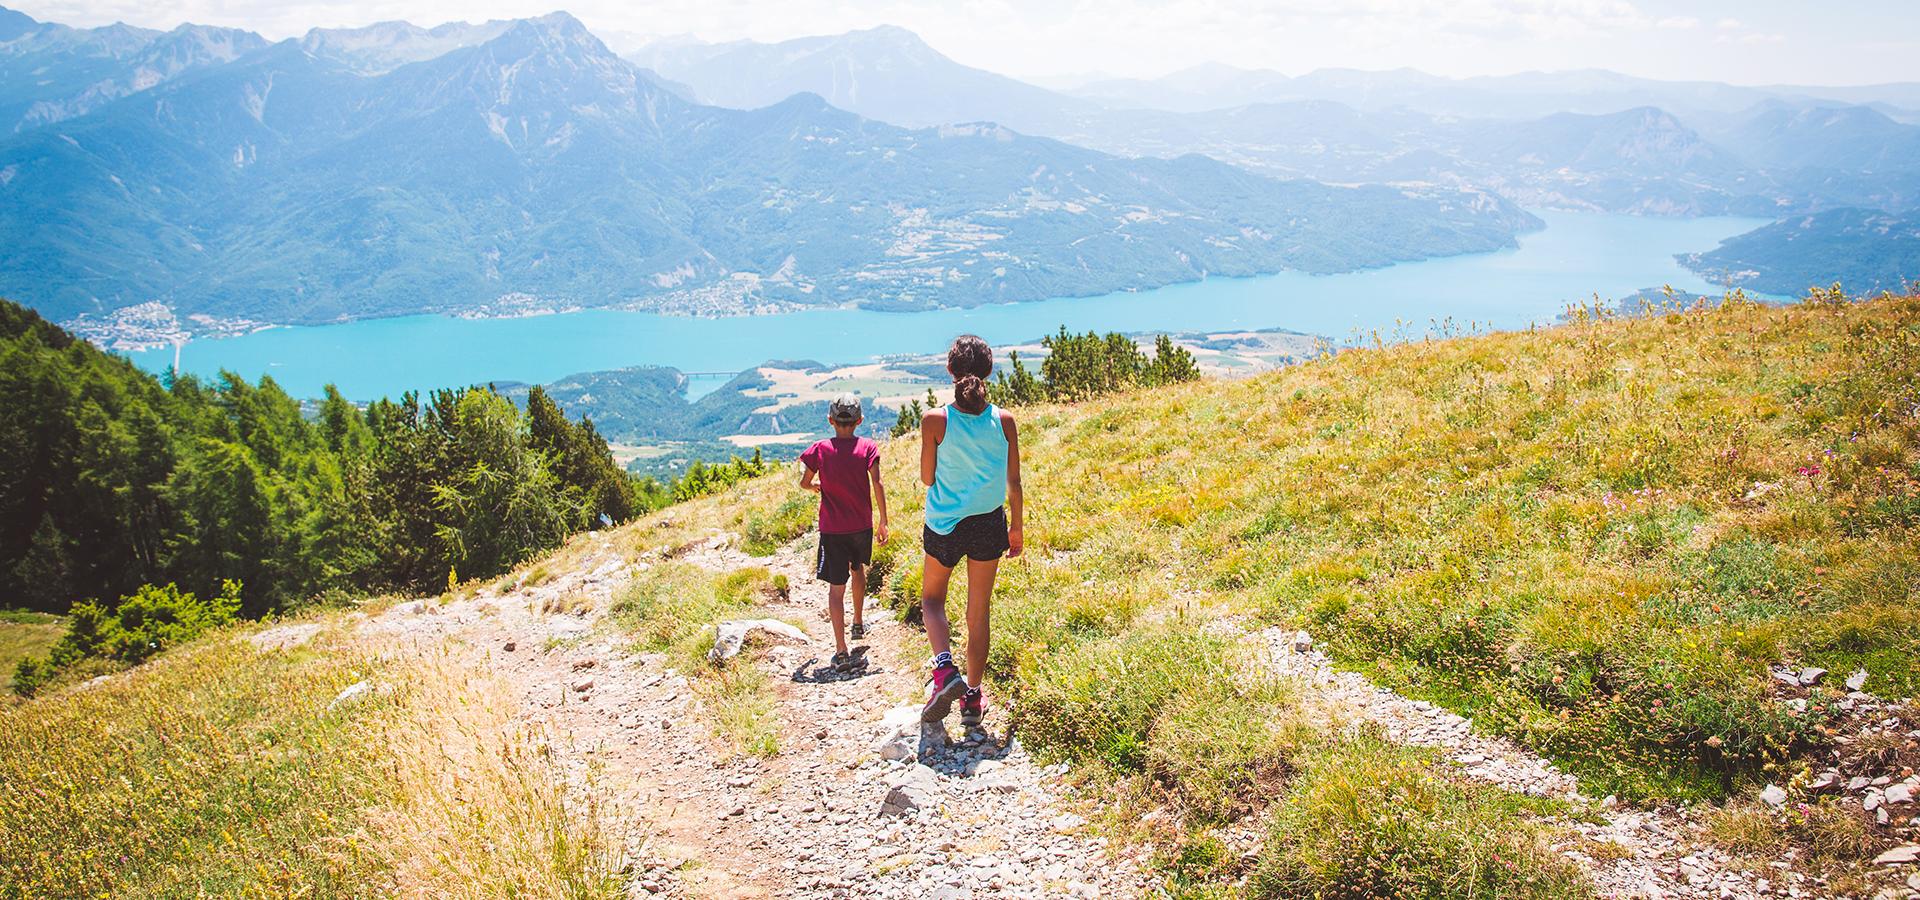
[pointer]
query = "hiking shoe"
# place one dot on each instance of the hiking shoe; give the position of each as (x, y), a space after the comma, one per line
(851, 661)
(947, 687)
(973, 708)
(857, 631)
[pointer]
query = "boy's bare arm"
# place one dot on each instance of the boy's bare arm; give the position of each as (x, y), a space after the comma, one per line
(879, 500)
(806, 480)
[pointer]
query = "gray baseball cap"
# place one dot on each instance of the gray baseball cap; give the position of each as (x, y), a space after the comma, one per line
(845, 409)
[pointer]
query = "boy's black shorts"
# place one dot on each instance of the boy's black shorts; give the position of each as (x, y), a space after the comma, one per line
(982, 537)
(839, 553)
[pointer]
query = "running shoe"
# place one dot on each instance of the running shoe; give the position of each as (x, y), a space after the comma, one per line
(947, 687)
(857, 632)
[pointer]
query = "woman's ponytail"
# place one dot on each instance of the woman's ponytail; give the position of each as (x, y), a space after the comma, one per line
(969, 361)
(970, 393)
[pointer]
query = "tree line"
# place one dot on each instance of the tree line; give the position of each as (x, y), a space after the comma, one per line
(1077, 367)
(112, 479)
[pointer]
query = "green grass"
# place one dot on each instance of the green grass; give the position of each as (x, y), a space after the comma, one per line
(1368, 819)
(26, 635)
(672, 608)
(792, 518)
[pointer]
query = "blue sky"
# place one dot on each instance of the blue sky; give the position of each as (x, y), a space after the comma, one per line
(1745, 42)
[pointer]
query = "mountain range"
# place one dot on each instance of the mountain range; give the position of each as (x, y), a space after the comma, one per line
(517, 166)
(1583, 139)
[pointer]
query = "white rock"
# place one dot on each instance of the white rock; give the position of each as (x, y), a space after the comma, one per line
(1899, 793)
(1774, 795)
(1067, 822)
(352, 692)
(1857, 680)
(915, 788)
(730, 637)
(1812, 676)
(1904, 855)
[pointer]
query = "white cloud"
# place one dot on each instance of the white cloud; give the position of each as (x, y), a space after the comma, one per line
(1678, 23)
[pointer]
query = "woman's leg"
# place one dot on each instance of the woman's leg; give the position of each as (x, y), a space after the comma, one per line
(979, 608)
(934, 579)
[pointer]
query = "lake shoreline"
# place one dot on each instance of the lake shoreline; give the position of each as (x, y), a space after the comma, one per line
(1576, 256)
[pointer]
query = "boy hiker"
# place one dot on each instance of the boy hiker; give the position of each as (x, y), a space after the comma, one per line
(845, 471)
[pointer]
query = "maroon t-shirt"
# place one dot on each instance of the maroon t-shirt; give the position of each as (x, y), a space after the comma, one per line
(846, 497)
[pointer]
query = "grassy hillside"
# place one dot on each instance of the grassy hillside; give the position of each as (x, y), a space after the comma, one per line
(1594, 538)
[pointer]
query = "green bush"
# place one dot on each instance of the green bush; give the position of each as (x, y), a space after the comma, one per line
(144, 623)
(765, 534)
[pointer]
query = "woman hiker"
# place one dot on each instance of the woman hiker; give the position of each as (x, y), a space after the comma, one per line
(970, 463)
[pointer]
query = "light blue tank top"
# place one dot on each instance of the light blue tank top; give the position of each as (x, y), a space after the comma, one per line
(969, 470)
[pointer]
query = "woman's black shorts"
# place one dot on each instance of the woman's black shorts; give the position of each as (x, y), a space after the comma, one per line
(982, 537)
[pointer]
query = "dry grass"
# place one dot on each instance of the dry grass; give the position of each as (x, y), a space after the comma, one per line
(222, 770)
(474, 807)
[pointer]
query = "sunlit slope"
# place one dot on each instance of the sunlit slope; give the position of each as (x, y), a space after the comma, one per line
(1594, 538)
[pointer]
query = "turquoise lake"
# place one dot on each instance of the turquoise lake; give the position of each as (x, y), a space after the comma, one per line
(1577, 256)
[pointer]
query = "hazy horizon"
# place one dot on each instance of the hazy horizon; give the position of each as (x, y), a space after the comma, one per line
(1751, 43)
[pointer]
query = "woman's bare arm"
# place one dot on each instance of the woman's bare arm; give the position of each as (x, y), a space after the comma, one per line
(933, 427)
(1016, 501)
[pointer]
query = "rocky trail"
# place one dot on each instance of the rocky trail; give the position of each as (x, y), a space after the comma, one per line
(861, 801)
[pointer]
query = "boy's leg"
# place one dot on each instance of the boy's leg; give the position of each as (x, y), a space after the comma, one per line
(836, 610)
(933, 604)
(980, 577)
(857, 579)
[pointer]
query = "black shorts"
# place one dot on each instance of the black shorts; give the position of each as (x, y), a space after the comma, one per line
(982, 537)
(839, 553)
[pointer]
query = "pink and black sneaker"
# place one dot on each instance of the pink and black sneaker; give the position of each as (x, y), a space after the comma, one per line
(947, 687)
(973, 708)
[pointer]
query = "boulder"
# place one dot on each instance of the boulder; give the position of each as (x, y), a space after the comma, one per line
(915, 789)
(730, 637)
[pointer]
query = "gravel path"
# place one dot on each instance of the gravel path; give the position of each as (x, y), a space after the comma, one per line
(859, 801)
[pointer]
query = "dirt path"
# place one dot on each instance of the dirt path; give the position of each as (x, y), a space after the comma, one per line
(835, 813)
